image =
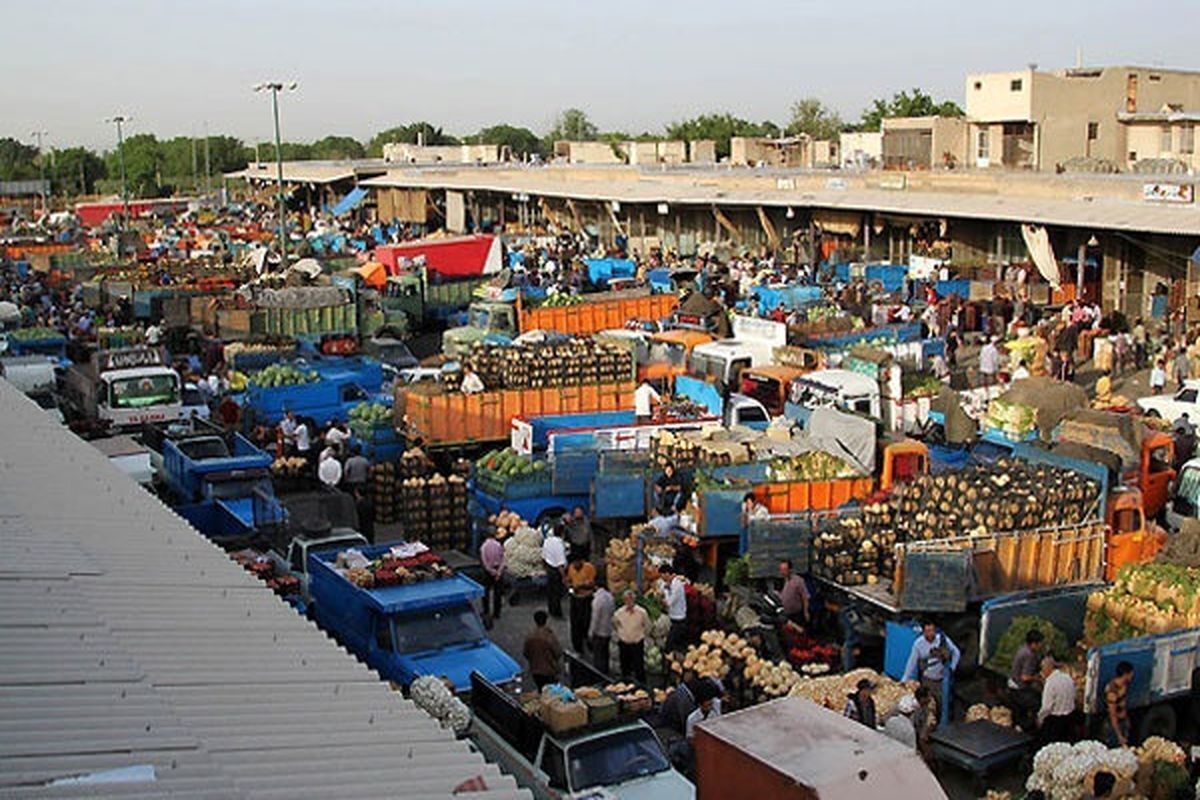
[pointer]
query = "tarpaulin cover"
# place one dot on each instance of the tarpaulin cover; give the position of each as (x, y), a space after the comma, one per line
(350, 202)
(461, 256)
(698, 305)
(603, 270)
(960, 428)
(1052, 399)
(1037, 240)
(846, 436)
(373, 274)
(1119, 434)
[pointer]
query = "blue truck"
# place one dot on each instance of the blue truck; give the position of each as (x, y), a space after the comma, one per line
(1166, 673)
(406, 631)
(342, 384)
(216, 480)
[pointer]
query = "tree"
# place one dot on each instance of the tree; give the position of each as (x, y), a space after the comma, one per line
(810, 116)
(338, 147)
(76, 170)
(18, 161)
(720, 127)
(520, 141)
(144, 161)
(903, 104)
(408, 134)
(572, 125)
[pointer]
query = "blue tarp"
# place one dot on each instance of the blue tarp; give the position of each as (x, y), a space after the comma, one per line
(350, 201)
(659, 280)
(602, 270)
(769, 298)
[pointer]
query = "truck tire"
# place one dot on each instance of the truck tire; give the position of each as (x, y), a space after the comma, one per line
(1158, 720)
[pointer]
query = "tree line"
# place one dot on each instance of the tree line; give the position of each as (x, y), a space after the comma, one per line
(160, 167)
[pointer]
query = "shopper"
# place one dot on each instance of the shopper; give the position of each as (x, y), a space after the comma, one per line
(554, 559)
(631, 623)
(675, 597)
(860, 706)
(931, 654)
(329, 469)
(581, 583)
(543, 651)
(357, 469)
(600, 627)
(579, 532)
(794, 594)
(925, 720)
(1158, 377)
(989, 362)
(1056, 716)
(492, 557)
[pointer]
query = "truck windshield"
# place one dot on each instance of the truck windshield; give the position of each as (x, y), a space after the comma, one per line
(706, 366)
(764, 389)
(437, 629)
(147, 390)
(669, 353)
(613, 759)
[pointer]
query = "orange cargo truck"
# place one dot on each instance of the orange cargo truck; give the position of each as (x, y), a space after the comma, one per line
(451, 418)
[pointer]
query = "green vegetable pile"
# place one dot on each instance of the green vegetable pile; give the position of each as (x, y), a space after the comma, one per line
(737, 571)
(815, 465)
(561, 301)
(495, 470)
(365, 417)
(1012, 418)
(34, 334)
(1055, 642)
(283, 375)
(918, 385)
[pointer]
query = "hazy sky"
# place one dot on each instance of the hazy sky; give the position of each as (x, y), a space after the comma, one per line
(363, 66)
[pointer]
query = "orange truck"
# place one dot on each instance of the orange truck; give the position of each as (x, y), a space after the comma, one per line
(499, 320)
(449, 419)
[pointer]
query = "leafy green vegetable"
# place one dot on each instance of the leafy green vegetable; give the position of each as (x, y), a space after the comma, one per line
(1055, 642)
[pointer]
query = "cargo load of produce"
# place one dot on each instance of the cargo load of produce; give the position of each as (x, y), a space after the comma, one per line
(434, 510)
(997, 715)
(278, 375)
(1064, 771)
(574, 362)
(365, 418)
(404, 564)
(504, 525)
(523, 554)
(1014, 420)
(36, 334)
(561, 300)
(251, 355)
(815, 465)
(499, 469)
(978, 501)
(433, 696)
(716, 447)
(1054, 642)
(1145, 599)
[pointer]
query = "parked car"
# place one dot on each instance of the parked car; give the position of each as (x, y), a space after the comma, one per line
(1172, 407)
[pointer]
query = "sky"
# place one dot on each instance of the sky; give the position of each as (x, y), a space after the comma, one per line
(362, 66)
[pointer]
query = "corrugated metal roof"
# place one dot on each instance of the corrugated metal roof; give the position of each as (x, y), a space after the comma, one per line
(1083, 212)
(128, 639)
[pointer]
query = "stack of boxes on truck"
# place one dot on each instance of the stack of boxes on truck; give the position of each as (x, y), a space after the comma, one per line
(433, 510)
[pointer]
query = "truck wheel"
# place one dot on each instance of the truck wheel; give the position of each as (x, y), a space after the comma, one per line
(1158, 720)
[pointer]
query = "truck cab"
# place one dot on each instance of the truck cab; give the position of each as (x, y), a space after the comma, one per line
(122, 389)
(623, 758)
(402, 301)
(837, 388)
(408, 630)
(668, 355)
(770, 385)
(486, 321)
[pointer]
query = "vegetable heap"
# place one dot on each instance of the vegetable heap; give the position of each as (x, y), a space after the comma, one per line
(815, 465)
(523, 554)
(389, 570)
(505, 524)
(715, 447)
(1054, 643)
(716, 654)
(35, 334)
(999, 715)
(831, 691)
(534, 366)
(562, 300)
(366, 417)
(289, 466)
(1014, 420)
(434, 697)
(494, 471)
(919, 385)
(1145, 599)
(1065, 772)
(283, 375)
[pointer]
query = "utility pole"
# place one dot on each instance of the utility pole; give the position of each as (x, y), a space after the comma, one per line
(275, 87)
(119, 120)
(41, 168)
(195, 166)
(207, 164)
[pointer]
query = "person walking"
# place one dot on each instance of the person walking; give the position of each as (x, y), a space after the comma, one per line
(675, 596)
(1055, 718)
(931, 654)
(579, 532)
(600, 628)
(581, 583)
(1181, 366)
(356, 470)
(554, 559)
(631, 623)
(989, 362)
(543, 652)
(329, 469)
(1158, 377)
(794, 595)
(899, 724)
(925, 720)
(492, 557)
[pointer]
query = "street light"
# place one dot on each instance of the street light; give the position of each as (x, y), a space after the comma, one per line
(41, 167)
(120, 120)
(275, 87)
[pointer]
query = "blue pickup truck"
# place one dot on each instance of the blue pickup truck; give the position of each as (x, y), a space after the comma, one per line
(217, 481)
(406, 631)
(342, 384)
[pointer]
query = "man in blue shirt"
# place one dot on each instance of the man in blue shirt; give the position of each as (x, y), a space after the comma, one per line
(931, 653)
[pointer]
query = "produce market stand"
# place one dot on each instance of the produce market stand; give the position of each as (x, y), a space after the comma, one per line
(979, 747)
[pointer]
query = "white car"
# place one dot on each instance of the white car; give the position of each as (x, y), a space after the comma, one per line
(1172, 406)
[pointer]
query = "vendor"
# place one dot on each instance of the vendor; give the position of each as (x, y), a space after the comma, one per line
(794, 594)
(471, 382)
(645, 398)
(1024, 680)
(931, 654)
(668, 492)
(860, 706)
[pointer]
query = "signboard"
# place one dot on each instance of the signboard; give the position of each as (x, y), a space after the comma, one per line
(129, 358)
(893, 181)
(785, 184)
(522, 437)
(1168, 192)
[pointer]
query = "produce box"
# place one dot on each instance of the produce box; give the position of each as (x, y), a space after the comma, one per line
(635, 705)
(601, 709)
(561, 717)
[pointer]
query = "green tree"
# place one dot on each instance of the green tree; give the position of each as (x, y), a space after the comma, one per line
(811, 116)
(521, 141)
(144, 162)
(720, 127)
(76, 170)
(408, 133)
(572, 125)
(905, 104)
(338, 147)
(18, 161)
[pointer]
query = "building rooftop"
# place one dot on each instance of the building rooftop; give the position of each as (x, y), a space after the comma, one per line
(129, 642)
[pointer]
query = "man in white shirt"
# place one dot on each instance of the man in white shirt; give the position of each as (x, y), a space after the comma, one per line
(1056, 716)
(471, 382)
(644, 399)
(676, 601)
(303, 440)
(989, 362)
(337, 436)
(287, 429)
(329, 470)
(153, 335)
(554, 558)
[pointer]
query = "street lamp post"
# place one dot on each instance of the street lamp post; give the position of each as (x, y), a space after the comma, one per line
(275, 87)
(41, 168)
(119, 120)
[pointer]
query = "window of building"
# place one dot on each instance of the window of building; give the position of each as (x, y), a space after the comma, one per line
(1187, 139)
(1015, 84)
(981, 145)
(978, 85)
(1155, 78)
(1133, 155)
(1165, 143)
(1093, 131)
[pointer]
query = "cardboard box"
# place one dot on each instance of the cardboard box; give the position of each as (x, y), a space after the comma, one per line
(561, 717)
(601, 709)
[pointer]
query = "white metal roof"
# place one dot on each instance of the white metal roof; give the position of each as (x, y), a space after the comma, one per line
(127, 639)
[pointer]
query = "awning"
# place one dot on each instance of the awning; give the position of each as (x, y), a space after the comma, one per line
(373, 274)
(845, 223)
(350, 201)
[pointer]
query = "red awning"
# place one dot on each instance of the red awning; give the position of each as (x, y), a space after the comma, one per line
(459, 257)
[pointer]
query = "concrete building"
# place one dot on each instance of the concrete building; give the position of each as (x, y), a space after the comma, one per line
(1032, 119)
(405, 153)
(588, 153)
(702, 151)
(1161, 141)
(862, 149)
(923, 142)
(634, 153)
(800, 152)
